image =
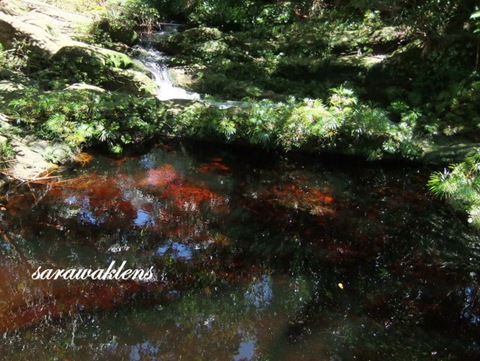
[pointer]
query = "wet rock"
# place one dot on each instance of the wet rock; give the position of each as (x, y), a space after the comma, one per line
(132, 81)
(185, 78)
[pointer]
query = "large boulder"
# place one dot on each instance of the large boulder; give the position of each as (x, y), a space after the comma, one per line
(31, 157)
(47, 31)
(90, 58)
(9, 7)
(106, 68)
(43, 27)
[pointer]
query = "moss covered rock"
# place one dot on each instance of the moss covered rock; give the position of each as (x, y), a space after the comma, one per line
(106, 68)
(131, 81)
(90, 57)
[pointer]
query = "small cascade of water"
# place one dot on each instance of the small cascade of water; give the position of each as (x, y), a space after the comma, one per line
(156, 62)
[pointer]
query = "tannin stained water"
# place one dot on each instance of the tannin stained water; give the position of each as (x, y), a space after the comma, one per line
(257, 258)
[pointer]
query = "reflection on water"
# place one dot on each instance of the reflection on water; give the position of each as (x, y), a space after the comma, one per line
(259, 294)
(246, 350)
(257, 258)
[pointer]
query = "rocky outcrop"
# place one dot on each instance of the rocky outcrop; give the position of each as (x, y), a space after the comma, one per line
(85, 87)
(42, 27)
(13, 29)
(47, 31)
(32, 157)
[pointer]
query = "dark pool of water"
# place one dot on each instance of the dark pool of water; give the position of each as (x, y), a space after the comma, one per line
(257, 258)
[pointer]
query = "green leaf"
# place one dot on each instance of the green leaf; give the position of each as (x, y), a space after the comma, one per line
(475, 15)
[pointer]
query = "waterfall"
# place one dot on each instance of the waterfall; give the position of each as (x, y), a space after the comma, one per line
(156, 62)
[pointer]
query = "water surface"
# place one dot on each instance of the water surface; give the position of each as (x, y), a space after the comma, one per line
(257, 257)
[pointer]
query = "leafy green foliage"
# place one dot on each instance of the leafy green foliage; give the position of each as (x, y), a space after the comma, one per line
(228, 14)
(284, 59)
(458, 109)
(343, 124)
(19, 58)
(460, 184)
(120, 22)
(6, 151)
(476, 20)
(83, 117)
(3, 58)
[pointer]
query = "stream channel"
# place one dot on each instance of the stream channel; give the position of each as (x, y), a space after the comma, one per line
(255, 256)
